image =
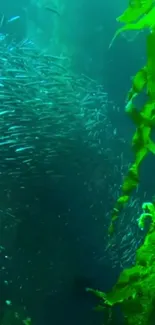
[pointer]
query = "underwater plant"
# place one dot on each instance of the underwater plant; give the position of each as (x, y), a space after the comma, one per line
(15, 315)
(134, 290)
(144, 119)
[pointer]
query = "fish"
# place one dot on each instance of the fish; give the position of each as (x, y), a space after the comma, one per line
(50, 117)
(44, 105)
(53, 10)
(24, 148)
(2, 21)
(12, 19)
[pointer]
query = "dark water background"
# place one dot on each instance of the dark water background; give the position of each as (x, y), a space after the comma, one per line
(56, 248)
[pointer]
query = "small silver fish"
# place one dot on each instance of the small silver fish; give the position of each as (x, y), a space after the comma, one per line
(13, 19)
(24, 148)
(1, 21)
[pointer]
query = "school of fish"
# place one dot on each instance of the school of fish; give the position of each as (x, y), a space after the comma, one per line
(41, 105)
(44, 110)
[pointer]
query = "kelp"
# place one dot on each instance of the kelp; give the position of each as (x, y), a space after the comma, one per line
(147, 21)
(143, 118)
(134, 290)
(135, 10)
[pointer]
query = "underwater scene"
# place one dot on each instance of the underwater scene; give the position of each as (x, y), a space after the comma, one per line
(77, 162)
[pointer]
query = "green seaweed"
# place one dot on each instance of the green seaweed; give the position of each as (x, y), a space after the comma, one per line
(134, 290)
(136, 9)
(144, 120)
(147, 21)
